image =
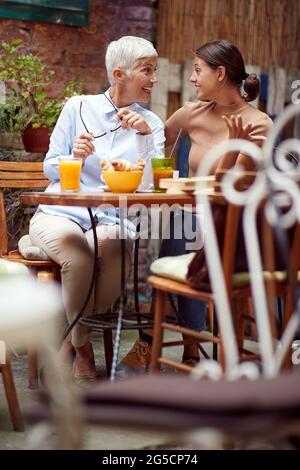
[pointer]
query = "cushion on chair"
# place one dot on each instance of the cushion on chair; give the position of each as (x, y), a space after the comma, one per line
(176, 268)
(173, 267)
(242, 279)
(29, 251)
(12, 268)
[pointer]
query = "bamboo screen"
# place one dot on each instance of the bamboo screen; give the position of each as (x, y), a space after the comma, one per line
(266, 31)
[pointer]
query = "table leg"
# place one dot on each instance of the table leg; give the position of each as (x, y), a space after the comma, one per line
(121, 300)
(136, 270)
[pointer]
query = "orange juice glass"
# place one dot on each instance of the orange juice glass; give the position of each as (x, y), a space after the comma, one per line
(162, 168)
(70, 171)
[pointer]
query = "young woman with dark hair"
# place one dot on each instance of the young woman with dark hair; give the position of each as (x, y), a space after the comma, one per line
(224, 90)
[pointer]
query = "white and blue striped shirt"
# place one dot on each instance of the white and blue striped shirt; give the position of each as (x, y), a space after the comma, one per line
(99, 116)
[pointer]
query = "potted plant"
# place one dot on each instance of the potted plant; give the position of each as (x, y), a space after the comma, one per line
(27, 106)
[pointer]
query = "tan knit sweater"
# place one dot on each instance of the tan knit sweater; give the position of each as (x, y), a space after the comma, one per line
(203, 122)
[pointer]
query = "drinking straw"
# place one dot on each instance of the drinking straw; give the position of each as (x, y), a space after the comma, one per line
(175, 143)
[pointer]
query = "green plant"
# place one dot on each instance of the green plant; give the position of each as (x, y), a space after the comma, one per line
(27, 79)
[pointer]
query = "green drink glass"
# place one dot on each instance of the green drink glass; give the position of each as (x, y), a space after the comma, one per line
(162, 168)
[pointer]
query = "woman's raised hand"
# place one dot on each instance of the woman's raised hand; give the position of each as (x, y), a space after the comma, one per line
(133, 120)
(236, 128)
(83, 146)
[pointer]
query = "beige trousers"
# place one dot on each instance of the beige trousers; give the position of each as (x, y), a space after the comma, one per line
(55, 235)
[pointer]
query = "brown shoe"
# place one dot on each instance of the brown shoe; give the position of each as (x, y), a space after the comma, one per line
(136, 361)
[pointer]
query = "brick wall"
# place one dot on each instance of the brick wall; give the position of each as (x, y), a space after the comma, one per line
(78, 53)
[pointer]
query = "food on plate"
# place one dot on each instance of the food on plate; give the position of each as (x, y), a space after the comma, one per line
(122, 165)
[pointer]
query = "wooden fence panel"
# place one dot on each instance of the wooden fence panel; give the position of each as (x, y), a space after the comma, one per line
(266, 31)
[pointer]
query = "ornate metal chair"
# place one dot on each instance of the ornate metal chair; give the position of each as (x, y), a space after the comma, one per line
(228, 290)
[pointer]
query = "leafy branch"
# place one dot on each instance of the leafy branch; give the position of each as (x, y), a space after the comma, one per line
(27, 81)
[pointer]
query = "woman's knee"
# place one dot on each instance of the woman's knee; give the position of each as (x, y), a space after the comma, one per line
(60, 237)
(109, 242)
(75, 256)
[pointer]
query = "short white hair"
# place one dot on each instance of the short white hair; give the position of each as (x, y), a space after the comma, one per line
(125, 52)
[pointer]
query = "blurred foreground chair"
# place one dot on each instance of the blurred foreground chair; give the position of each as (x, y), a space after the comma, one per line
(247, 410)
(36, 325)
(20, 175)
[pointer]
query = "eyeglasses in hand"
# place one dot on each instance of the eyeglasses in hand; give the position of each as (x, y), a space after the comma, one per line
(103, 133)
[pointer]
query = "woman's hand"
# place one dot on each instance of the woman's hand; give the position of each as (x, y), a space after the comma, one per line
(133, 120)
(83, 146)
(236, 128)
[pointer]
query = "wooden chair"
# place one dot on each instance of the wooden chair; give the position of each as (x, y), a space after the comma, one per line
(164, 286)
(11, 395)
(20, 175)
(238, 292)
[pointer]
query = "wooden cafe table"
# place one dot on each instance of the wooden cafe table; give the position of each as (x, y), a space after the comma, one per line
(94, 199)
(119, 200)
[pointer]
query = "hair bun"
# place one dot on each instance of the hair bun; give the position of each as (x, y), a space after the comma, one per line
(251, 86)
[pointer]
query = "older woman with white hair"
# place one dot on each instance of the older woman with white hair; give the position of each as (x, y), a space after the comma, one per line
(109, 126)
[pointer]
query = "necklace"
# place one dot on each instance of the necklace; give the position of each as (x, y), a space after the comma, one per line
(227, 108)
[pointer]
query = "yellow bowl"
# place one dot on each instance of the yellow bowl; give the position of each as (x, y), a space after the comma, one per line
(122, 181)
